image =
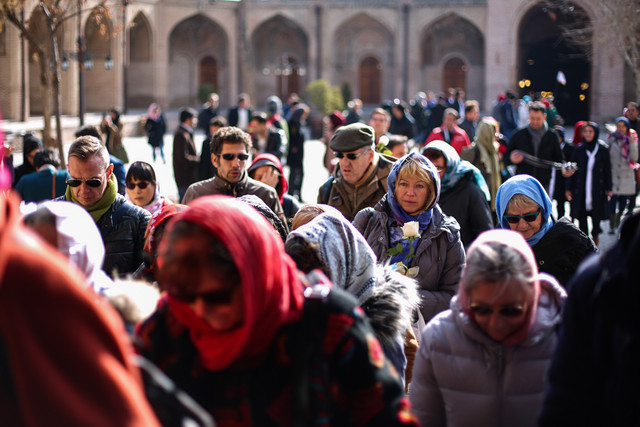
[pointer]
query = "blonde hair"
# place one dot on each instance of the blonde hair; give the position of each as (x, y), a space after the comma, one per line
(415, 169)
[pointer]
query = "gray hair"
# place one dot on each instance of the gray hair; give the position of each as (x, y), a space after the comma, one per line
(495, 262)
(86, 146)
(521, 202)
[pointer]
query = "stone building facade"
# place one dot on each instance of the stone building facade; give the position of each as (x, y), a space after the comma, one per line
(380, 49)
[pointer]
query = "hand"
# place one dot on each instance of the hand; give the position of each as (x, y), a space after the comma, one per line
(271, 177)
(568, 195)
(516, 157)
(567, 172)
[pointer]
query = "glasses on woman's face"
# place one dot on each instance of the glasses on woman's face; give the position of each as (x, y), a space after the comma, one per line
(506, 311)
(141, 184)
(514, 219)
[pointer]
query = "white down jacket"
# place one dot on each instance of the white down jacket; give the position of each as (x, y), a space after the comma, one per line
(462, 377)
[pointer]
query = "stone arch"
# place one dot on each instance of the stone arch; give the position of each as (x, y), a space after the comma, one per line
(140, 39)
(454, 40)
(356, 39)
(100, 43)
(280, 50)
(140, 69)
(543, 51)
(190, 41)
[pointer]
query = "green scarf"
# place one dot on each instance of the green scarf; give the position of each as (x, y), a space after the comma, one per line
(100, 207)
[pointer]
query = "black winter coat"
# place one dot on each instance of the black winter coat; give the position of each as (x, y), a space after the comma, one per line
(123, 241)
(594, 373)
(562, 249)
(601, 181)
(549, 150)
(468, 205)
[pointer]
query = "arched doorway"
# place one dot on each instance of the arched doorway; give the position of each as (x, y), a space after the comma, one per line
(209, 71)
(370, 78)
(549, 62)
(454, 75)
(288, 74)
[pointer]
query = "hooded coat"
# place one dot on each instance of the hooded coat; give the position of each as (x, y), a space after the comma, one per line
(462, 377)
(439, 253)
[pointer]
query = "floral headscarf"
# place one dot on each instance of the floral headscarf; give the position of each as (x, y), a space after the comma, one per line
(272, 291)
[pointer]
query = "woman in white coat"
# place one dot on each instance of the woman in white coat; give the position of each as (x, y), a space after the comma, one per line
(483, 362)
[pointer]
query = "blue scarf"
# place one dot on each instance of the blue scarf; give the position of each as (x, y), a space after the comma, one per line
(530, 187)
(398, 215)
(457, 168)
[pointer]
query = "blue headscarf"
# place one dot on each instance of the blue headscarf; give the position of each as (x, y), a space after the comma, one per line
(398, 215)
(457, 168)
(530, 187)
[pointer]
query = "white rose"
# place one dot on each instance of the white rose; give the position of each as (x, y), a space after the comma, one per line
(411, 229)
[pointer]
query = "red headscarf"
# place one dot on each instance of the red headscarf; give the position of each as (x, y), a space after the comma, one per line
(515, 241)
(273, 293)
(267, 159)
(577, 132)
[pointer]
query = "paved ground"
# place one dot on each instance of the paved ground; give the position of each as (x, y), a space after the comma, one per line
(138, 149)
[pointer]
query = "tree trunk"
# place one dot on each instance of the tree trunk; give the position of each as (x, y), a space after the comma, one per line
(57, 100)
(45, 84)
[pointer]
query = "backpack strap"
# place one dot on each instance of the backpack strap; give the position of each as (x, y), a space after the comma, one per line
(115, 218)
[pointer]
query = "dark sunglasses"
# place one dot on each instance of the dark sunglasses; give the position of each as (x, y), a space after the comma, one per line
(514, 219)
(229, 156)
(508, 311)
(212, 298)
(141, 184)
(91, 182)
(350, 156)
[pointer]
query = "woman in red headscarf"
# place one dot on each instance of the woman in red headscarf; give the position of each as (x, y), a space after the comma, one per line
(483, 362)
(235, 332)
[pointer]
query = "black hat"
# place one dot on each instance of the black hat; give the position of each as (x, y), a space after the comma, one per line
(352, 137)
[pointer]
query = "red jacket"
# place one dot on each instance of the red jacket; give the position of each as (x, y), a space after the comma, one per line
(459, 140)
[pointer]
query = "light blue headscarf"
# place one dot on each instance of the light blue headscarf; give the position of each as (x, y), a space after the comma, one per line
(398, 215)
(457, 168)
(530, 187)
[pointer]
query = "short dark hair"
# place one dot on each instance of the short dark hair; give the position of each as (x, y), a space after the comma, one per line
(88, 130)
(141, 171)
(231, 135)
(187, 113)
(470, 106)
(260, 118)
(396, 140)
(433, 154)
(537, 106)
(45, 156)
(218, 121)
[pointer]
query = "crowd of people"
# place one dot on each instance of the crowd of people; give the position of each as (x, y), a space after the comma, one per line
(429, 284)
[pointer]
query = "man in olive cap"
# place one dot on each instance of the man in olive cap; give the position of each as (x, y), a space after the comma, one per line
(360, 179)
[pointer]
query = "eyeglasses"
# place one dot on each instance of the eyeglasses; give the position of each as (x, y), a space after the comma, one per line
(91, 182)
(212, 298)
(230, 156)
(141, 184)
(506, 311)
(350, 156)
(514, 219)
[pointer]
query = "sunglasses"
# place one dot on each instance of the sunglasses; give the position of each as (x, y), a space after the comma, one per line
(514, 219)
(212, 298)
(91, 182)
(507, 311)
(141, 184)
(229, 156)
(350, 156)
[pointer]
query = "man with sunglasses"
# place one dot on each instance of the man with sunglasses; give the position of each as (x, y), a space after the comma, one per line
(230, 148)
(92, 185)
(360, 180)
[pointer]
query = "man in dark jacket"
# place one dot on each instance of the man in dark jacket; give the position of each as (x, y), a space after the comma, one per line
(360, 180)
(537, 140)
(92, 185)
(240, 115)
(230, 148)
(266, 138)
(208, 112)
(185, 158)
(594, 373)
